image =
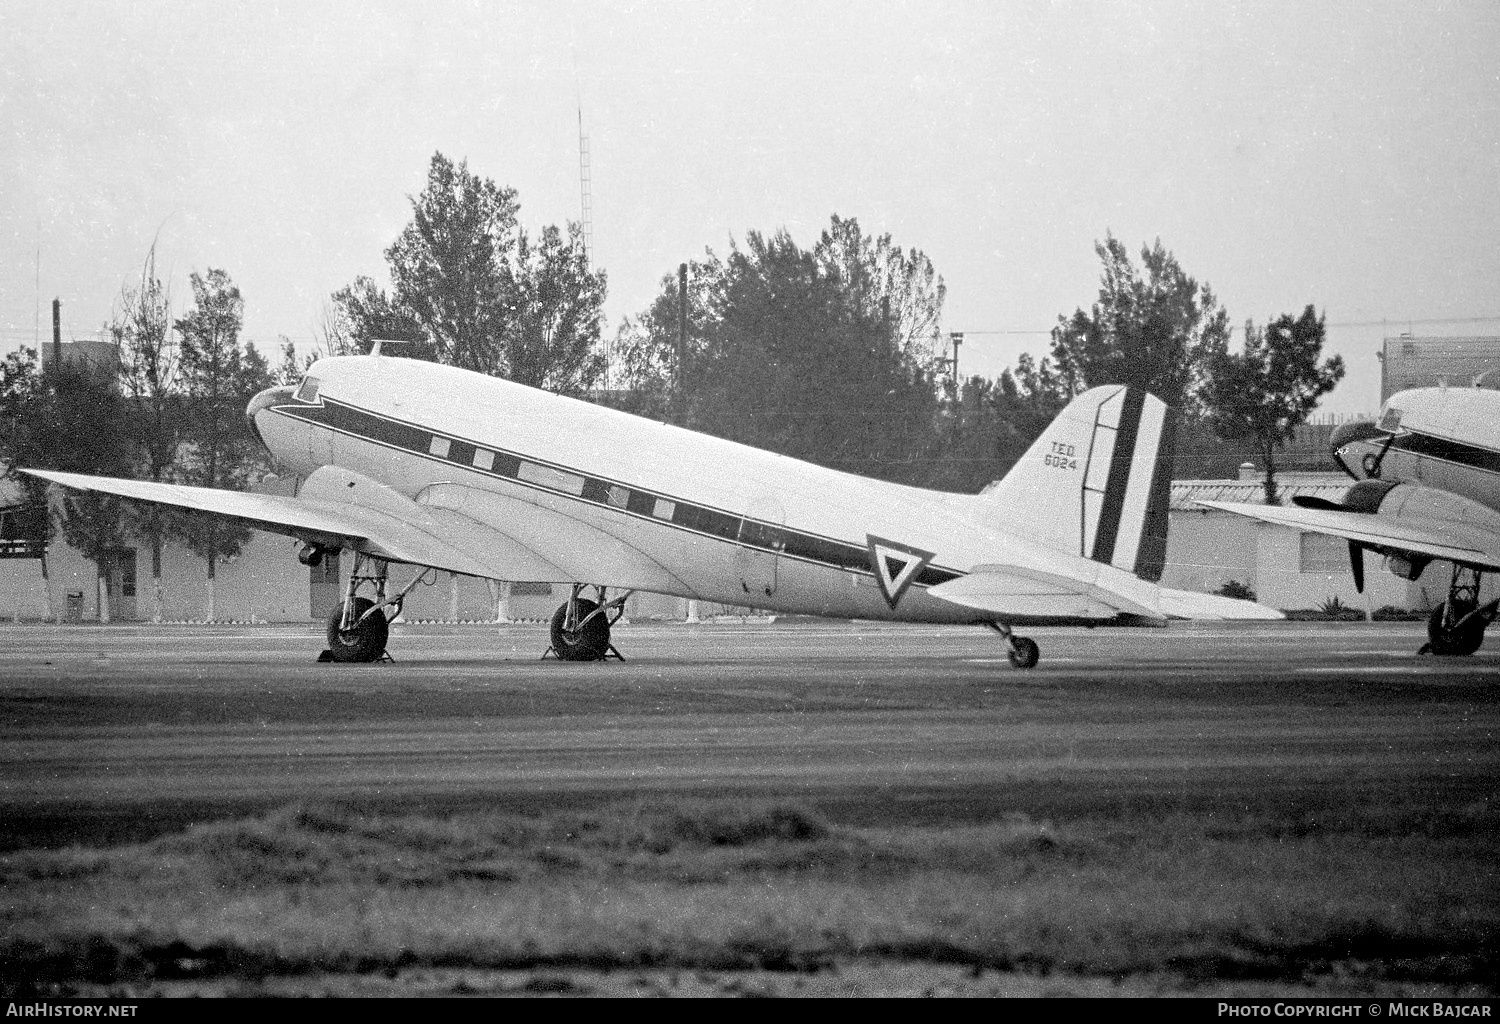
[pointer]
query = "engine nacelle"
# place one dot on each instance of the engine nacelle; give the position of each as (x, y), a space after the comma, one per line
(1421, 507)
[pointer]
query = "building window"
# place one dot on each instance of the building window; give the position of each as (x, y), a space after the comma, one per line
(1324, 554)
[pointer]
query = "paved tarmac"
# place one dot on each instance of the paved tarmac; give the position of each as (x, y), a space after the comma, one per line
(122, 732)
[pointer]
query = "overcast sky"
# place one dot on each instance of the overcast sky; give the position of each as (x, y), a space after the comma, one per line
(1341, 154)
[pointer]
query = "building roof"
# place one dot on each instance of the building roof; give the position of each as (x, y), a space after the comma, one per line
(1324, 485)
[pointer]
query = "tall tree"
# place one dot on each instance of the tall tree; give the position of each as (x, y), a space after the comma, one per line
(901, 289)
(218, 379)
(470, 288)
(22, 394)
(292, 367)
(556, 314)
(450, 265)
(984, 426)
(1264, 393)
(141, 328)
(1155, 328)
(362, 312)
(70, 417)
(823, 355)
(644, 354)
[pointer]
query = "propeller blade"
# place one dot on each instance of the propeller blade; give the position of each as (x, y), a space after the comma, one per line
(1357, 565)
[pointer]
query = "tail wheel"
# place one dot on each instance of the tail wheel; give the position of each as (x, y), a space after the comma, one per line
(1449, 641)
(1024, 652)
(590, 642)
(365, 641)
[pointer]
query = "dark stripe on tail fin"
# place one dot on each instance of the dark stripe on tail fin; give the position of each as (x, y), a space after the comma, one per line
(1151, 558)
(1119, 477)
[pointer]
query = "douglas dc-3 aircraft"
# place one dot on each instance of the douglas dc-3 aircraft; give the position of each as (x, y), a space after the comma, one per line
(417, 464)
(1428, 488)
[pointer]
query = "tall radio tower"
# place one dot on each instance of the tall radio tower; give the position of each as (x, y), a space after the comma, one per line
(583, 180)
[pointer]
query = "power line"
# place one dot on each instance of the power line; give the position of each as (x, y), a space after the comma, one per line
(1389, 322)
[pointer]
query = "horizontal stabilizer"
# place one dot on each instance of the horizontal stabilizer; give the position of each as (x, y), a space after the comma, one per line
(1189, 604)
(1012, 592)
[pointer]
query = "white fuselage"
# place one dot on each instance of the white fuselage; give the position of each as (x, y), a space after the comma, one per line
(724, 521)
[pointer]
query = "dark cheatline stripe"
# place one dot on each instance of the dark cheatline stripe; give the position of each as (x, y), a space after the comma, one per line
(697, 518)
(1151, 557)
(1119, 476)
(1449, 451)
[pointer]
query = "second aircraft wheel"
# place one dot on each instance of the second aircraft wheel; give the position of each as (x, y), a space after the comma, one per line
(366, 641)
(1453, 642)
(1024, 652)
(589, 643)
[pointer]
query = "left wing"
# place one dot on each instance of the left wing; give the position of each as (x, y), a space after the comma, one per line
(448, 527)
(1471, 546)
(354, 522)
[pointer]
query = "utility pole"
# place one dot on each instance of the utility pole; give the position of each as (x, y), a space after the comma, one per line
(682, 318)
(56, 335)
(957, 337)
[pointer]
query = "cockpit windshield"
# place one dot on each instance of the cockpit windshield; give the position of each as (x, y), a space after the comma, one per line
(308, 390)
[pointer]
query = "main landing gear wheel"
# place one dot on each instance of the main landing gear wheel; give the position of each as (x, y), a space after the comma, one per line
(365, 641)
(1024, 652)
(586, 641)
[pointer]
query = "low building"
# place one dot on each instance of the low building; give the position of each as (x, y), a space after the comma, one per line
(1411, 362)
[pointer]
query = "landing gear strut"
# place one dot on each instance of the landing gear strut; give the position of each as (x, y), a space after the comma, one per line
(1457, 626)
(359, 627)
(580, 627)
(1023, 650)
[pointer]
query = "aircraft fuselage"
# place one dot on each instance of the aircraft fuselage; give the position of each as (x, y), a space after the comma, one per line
(724, 522)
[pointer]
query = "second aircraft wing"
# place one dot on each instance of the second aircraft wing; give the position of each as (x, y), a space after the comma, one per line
(1470, 546)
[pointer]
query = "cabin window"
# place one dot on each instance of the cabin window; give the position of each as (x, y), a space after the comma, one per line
(308, 392)
(1323, 554)
(1391, 418)
(617, 496)
(663, 508)
(484, 459)
(439, 447)
(555, 479)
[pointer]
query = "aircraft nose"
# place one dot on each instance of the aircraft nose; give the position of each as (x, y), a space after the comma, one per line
(1348, 433)
(262, 402)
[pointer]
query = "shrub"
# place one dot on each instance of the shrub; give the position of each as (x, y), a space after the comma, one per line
(1335, 609)
(1236, 589)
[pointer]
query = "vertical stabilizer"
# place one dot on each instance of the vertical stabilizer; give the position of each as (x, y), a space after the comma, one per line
(1097, 482)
